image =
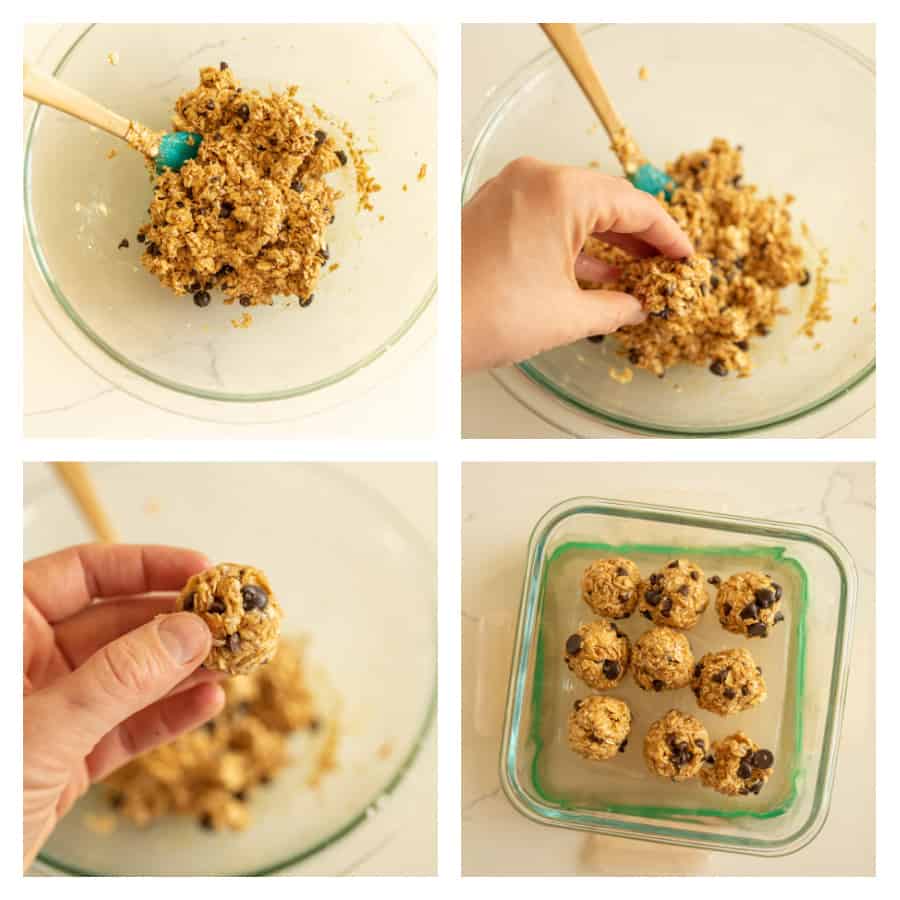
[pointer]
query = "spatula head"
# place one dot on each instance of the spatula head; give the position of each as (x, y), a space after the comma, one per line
(652, 180)
(176, 148)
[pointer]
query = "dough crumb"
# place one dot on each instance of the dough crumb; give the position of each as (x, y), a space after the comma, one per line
(623, 376)
(423, 170)
(100, 823)
(245, 321)
(818, 310)
(112, 153)
(113, 57)
(643, 73)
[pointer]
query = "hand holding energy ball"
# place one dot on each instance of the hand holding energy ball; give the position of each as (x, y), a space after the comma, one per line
(522, 235)
(105, 679)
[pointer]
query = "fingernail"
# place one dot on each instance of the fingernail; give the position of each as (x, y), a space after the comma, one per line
(184, 636)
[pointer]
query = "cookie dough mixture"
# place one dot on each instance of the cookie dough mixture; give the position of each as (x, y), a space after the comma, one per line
(249, 213)
(662, 660)
(748, 241)
(598, 653)
(676, 746)
(728, 682)
(610, 587)
(737, 766)
(749, 604)
(676, 596)
(242, 613)
(599, 727)
(667, 288)
(212, 773)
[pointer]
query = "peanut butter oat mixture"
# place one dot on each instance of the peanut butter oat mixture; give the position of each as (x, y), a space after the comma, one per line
(249, 214)
(744, 238)
(212, 773)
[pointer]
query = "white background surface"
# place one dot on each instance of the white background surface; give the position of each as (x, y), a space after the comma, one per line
(64, 398)
(490, 55)
(411, 848)
(501, 503)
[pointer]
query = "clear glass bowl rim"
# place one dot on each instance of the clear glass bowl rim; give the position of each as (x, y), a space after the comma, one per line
(489, 114)
(516, 699)
(43, 265)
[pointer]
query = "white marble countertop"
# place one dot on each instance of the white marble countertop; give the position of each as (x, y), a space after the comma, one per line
(490, 55)
(65, 398)
(501, 503)
(409, 842)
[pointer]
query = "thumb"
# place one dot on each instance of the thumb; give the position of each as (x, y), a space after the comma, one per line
(127, 675)
(603, 312)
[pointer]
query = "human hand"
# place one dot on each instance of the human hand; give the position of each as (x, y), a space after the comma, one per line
(522, 235)
(106, 679)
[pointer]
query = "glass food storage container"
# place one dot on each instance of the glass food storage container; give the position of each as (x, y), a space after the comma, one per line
(805, 661)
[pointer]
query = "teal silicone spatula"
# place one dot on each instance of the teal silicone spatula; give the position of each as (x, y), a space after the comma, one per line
(166, 150)
(638, 170)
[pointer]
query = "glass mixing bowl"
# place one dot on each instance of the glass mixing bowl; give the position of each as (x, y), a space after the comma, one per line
(356, 578)
(802, 104)
(118, 318)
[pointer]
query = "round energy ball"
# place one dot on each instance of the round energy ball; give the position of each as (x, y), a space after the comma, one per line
(599, 727)
(610, 587)
(661, 660)
(676, 745)
(675, 597)
(749, 604)
(598, 653)
(728, 682)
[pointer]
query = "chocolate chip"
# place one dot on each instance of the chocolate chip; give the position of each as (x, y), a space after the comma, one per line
(657, 684)
(755, 787)
(749, 611)
(714, 579)
(240, 795)
(673, 564)
(623, 745)
(669, 290)
(611, 669)
(320, 137)
(577, 704)
(315, 724)
(777, 589)
(698, 669)
(342, 157)
(729, 694)
(210, 104)
(666, 607)
(206, 821)
(742, 345)
(763, 759)
(714, 281)
(254, 597)
(758, 629)
(244, 111)
(744, 690)
(695, 575)
(709, 760)
(305, 301)
(188, 604)
(625, 598)
(764, 598)
(325, 255)
(762, 330)
(759, 669)
(223, 66)
(123, 244)
(719, 368)
(233, 642)
(226, 209)
(217, 607)
(745, 770)
(245, 300)
(574, 643)
(700, 743)
(736, 180)
(652, 598)
(684, 590)
(804, 278)
(726, 609)
(202, 298)
(621, 571)
(116, 801)
(152, 249)
(141, 238)
(720, 676)
(596, 338)
(297, 185)
(779, 617)
(646, 614)
(634, 356)
(655, 578)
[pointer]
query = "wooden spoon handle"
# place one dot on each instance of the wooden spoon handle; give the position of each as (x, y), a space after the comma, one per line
(569, 46)
(46, 89)
(79, 484)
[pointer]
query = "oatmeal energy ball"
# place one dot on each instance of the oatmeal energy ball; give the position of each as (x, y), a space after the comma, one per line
(737, 766)
(610, 587)
(598, 654)
(599, 727)
(728, 682)
(238, 605)
(249, 213)
(676, 596)
(676, 746)
(749, 604)
(662, 660)
(667, 288)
